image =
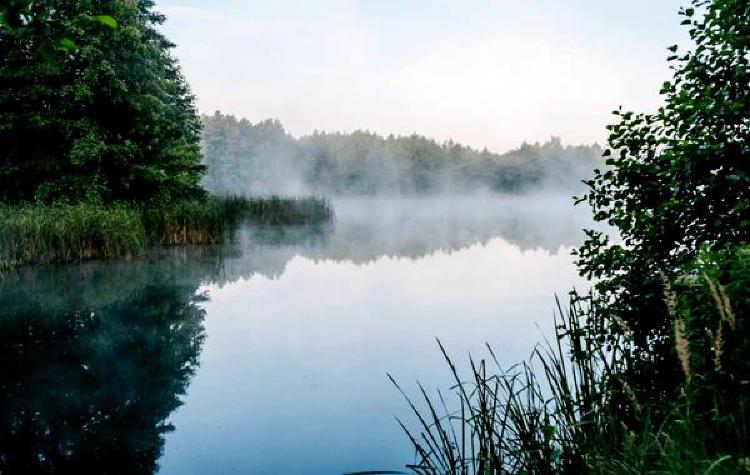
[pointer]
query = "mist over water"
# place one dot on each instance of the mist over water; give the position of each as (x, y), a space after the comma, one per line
(330, 311)
(368, 229)
(278, 342)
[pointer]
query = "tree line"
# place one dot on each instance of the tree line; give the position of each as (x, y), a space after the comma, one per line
(263, 158)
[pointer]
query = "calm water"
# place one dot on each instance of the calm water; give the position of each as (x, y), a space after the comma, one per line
(268, 355)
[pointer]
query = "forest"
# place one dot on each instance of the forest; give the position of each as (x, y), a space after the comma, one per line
(262, 158)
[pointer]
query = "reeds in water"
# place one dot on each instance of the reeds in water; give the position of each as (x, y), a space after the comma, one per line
(187, 222)
(64, 233)
(570, 408)
(538, 416)
(279, 211)
(35, 233)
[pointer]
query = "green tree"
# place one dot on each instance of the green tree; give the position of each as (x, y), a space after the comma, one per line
(679, 185)
(108, 117)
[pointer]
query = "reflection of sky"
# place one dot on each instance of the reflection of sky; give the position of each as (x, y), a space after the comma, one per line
(293, 369)
(304, 322)
(485, 72)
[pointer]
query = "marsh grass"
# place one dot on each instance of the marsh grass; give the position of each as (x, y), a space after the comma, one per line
(186, 222)
(534, 417)
(280, 211)
(569, 409)
(209, 220)
(63, 233)
(37, 234)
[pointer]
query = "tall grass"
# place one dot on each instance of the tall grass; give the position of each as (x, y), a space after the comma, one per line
(279, 211)
(187, 222)
(568, 409)
(534, 417)
(38, 234)
(207, 221)
(35, 234)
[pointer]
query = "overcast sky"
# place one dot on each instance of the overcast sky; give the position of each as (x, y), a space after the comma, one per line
(485, 73)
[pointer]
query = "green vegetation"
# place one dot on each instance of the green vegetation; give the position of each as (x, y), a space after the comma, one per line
(241, 156)
(649, 371)
(100, 154)
(34, 234)
(571, 409)
(275, 210)
(108, 118)
(207, 221)
(38, 233)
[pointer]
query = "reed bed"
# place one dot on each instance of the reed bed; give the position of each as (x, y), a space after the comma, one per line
(37, 234)
(277, 210)
(538, 416)
(32, 234)
(186, 222)
(568, 409)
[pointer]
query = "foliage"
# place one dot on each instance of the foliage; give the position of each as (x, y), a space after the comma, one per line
(62, 233)
(279, 211)
(263, 159)
(540, 416)
(678, 184)
(186, 222)
(562, 411)
(107, 117)
(65, 233)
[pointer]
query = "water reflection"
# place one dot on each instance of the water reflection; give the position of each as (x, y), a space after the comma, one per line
(95, 358)
(369, 229)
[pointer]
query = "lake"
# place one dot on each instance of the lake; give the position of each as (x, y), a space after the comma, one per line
(268, 355)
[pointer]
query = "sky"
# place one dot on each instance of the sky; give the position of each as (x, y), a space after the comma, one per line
(486, 73)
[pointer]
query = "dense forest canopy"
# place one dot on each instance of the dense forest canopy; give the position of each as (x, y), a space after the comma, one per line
(92, 105)
(262, 158)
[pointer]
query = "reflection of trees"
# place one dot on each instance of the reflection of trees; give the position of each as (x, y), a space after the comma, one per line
(366, 230)
(93, 359)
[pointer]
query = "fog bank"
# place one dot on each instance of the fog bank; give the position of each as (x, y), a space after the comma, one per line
(263, 159)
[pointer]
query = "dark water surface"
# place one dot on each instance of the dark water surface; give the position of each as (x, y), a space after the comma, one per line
(268, 355)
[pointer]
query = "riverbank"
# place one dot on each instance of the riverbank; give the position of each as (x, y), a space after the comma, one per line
(41, 234)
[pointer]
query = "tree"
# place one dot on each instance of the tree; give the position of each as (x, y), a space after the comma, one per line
(679, 185)
(108, 117)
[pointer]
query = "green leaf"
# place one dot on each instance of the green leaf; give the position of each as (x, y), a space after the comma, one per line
(67, 44)
(107, 21)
